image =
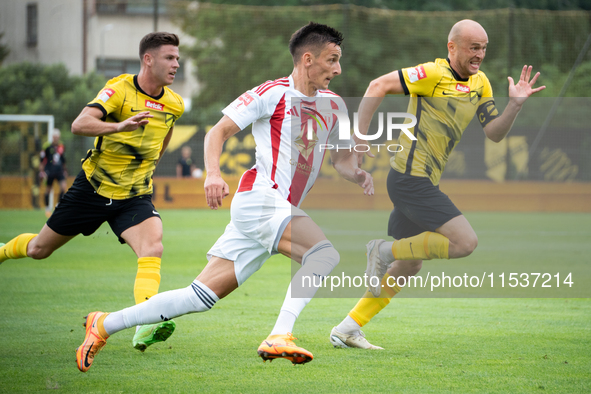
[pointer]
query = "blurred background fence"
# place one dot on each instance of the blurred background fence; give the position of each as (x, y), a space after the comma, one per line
(237, 47)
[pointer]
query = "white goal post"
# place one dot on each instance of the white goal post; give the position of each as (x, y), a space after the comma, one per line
(49, 119)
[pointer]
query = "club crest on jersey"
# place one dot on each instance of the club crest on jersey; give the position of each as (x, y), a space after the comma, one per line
(416, 73)
(154, 105)
(462, 88)
(242, 102)
(311, 122)
(106, 94)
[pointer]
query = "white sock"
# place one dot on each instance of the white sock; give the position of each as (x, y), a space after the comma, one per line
(162, 307)
(386, 252)
(317, 263)
(284, 323)
(348, 326)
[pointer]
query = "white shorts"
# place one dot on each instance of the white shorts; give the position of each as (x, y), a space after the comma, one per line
(259, 217)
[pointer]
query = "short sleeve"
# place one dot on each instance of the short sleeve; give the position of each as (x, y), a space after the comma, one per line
(487, 111)
(109, 99)
(487, 91)
(246, 109)
(420, 80)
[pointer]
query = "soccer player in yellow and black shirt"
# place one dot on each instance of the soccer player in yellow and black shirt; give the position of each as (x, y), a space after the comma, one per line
(132, 119)
(425, 224)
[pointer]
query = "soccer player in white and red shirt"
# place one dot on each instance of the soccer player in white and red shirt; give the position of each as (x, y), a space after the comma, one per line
(291, 119)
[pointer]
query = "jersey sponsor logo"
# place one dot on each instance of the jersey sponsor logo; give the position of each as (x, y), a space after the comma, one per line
(416, 74)
(462, 88)
(242, 102)
(106, 94)
(154, 105)
(246, 99)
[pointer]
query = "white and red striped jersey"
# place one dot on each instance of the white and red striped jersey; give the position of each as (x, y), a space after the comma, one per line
(286, 159)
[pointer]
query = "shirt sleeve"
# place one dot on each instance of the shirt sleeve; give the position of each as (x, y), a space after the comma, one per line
(487, 110)
(246, 109)
(420, 80)
(109, 99)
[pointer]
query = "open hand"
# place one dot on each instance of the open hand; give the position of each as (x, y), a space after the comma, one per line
(135, 122)
(521, 90)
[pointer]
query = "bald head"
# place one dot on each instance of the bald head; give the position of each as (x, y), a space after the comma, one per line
(466, 29)
(466, 46)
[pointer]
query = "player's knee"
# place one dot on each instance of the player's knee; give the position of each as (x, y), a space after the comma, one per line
(468, 245)
(38, 252)
(150, 249)
(334, 256)
(154, 249)
(324, 252)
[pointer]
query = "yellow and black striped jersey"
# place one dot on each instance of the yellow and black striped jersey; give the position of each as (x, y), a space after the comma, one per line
(122, 164)
(444, 104)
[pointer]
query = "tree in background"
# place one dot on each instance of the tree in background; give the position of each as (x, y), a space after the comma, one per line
(4, 50)
(238, 47)
(29, 88)
(428, 5)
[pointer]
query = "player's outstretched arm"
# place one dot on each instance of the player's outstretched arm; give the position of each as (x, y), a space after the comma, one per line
(345, 163)
(375, 93)
(215, 187)
(519, 92)
(89, 123)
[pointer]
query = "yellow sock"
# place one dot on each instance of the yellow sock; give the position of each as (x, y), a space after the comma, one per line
(100, 326)
(369, 306)
(425, 246)
(147, 280)
(16, 248)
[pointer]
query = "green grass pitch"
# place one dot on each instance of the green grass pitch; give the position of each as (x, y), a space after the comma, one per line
(462, 345)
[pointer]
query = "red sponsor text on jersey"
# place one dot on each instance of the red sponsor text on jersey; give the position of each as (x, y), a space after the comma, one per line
(106, 94)
(154, 105)
(416, 73)
(245, 99)
(462, 88)
(422, 73)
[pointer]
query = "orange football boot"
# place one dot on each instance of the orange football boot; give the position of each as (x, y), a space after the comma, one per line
(282, 346)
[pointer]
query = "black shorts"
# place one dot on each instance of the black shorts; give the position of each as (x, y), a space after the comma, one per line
(54, 175)
(419, 206)
(82, 211)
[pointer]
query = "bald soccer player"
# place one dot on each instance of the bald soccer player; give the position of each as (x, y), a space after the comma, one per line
(425, 224)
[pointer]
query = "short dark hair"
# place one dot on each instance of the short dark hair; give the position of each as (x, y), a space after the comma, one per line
(313, 37)
(156, 40)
